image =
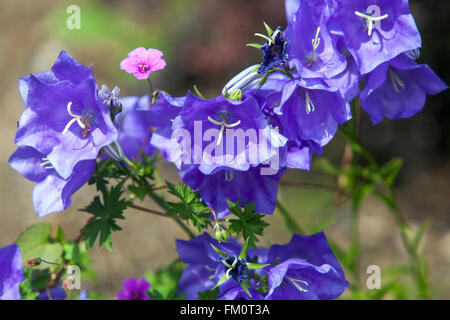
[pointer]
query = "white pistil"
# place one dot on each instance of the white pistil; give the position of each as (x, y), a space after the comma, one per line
(223, 125)
(296, 284)
(309, 104)
(316, 40)
(46, 164)
(311, 56)
(76, 118)
(370, 20)
(396, 80)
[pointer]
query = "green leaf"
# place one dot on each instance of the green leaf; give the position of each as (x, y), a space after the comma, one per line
(249, 222)
(268, 29)
(256, 266)
(360, 193)
(209, 294)
(106, 213)
(245, 285)
(418, 235)
(198, 93)
(191, 206)
(219, 252)
(165, 282)
(390, 170)
(243, 253)
(221, 281)
(26, 287)
(322, 225)
(139, 192)
(34, 242)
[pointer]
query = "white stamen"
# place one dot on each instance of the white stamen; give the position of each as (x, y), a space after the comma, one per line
(227, 274)
(76, 118)
(370, 20)
(297, 285)
(223, 125)
(46, 164)
(396, 80)
(309, 104)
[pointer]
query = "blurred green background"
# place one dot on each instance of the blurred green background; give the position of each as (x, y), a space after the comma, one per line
(204, 44)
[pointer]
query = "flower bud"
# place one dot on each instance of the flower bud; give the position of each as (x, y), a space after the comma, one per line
(34, 262)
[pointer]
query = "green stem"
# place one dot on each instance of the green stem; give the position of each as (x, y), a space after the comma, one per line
(290, 222)
(417, 266)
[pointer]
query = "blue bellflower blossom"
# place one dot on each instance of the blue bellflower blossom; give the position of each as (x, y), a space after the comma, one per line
(311, 111)
(374, 31)
(218, 117)
(64, 118)
(297, 153)
(310, 46)
(11, 272)
(52, 193)
(398, 88)
(306, 269)
(303, 269)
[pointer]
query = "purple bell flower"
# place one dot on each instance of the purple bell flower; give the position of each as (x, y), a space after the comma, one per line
(305, 269)
(64, 118)
(134, 289)
(310, 46)
(374, 31)
(11, 272)
(398, 88)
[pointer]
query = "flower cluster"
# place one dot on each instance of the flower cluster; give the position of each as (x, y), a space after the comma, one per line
(298, 97)
(303, 269)
(233, 148)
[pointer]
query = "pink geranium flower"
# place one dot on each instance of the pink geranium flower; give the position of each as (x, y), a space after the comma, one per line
(141, 62)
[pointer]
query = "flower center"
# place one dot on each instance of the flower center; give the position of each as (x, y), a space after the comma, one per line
(46, 163)
(235, 268)
(396, 81)
(297, 284)
(143, 67)
(224, 117)
(312, 56)
(371, 19)
(82, 120)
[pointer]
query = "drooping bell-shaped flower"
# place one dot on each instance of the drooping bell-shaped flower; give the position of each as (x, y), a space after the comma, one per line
(305, 269)
(374, 31)
(398, 88)
(64, 118)
(310, 46)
